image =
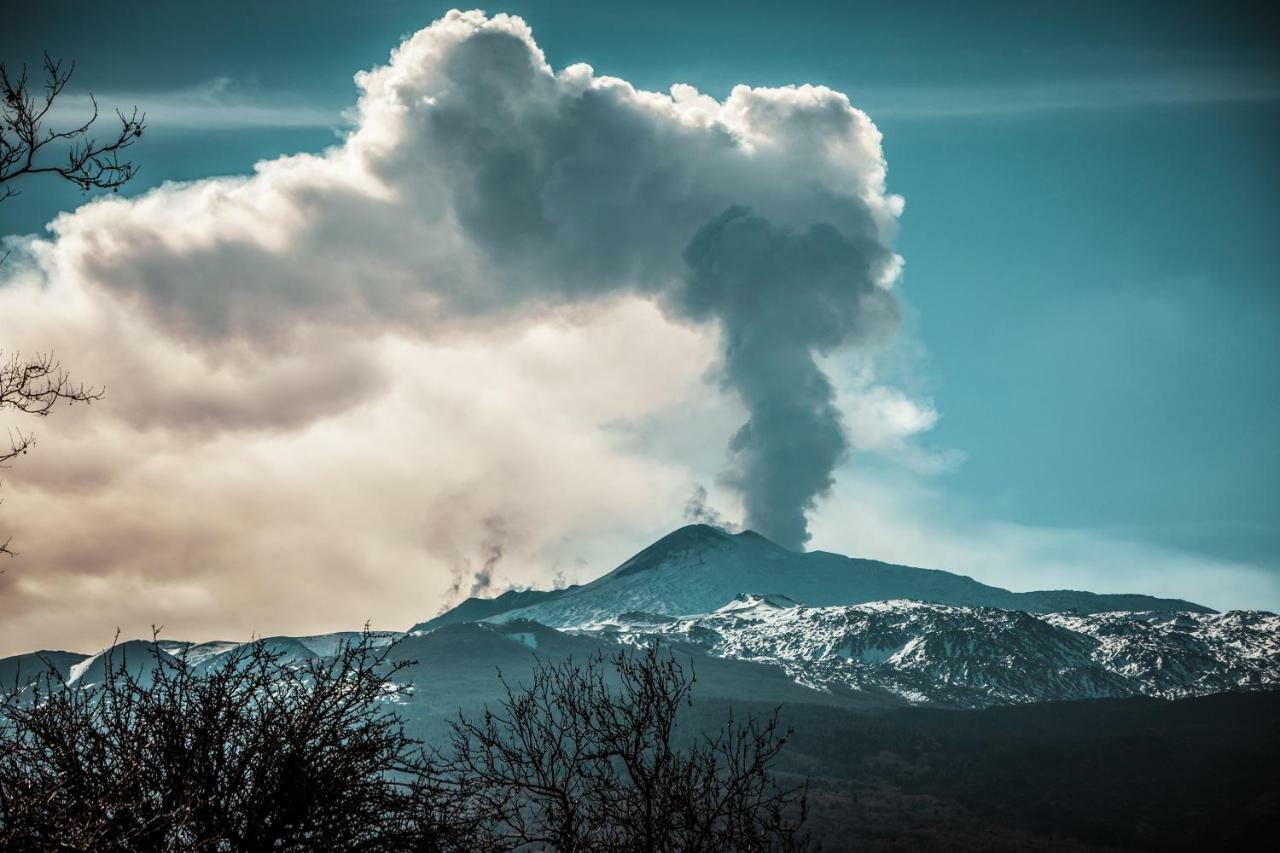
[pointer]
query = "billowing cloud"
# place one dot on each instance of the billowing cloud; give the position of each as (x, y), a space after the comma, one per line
(478, 184)
(337, 372)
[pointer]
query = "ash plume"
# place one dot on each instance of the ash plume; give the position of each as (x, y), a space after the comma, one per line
(698, 511)
(780, 297)
(482, 582)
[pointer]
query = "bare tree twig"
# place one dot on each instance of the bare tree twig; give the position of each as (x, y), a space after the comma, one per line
(34, 386)
(90, 162)
(589, 757)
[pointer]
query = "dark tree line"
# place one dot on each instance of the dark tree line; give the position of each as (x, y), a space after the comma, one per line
(257, 753)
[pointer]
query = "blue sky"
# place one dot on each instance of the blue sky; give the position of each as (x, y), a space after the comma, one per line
(1092, 199)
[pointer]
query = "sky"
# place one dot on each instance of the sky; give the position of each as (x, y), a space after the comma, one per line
(359, 384)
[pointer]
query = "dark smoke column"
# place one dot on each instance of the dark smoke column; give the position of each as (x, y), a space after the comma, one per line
(780, 297)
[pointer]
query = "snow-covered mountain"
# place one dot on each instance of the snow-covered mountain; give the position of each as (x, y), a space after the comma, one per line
(835, 629)
(977, 656)
(698, 568)
(837, 624)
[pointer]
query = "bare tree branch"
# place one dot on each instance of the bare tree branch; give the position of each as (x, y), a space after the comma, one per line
(259, 753)
(90, 163)
(34, 386)
(589, 757)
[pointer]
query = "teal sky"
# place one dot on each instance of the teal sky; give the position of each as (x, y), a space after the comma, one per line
(1092, 203)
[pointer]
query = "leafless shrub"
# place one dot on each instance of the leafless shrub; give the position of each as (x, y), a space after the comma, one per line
(253, 754)
(257, 753)
(588, 757)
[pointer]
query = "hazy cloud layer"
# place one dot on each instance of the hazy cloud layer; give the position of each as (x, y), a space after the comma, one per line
(216, 105)
(902, 519)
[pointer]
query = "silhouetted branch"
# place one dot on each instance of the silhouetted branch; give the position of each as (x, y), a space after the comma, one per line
(34, 386)
(587, 757)
(90, 163)
(256, 753)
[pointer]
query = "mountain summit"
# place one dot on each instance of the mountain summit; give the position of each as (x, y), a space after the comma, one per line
(698, 568)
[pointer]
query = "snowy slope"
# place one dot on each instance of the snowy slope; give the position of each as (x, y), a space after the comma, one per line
(138, 657)
(288, 650)
(977, 656)
(1184, 653)
(141, 657)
